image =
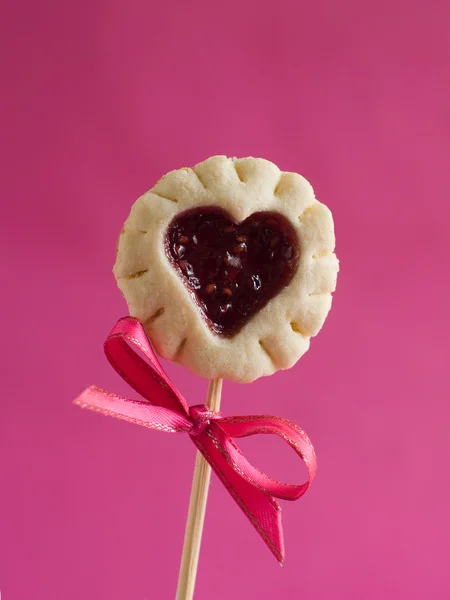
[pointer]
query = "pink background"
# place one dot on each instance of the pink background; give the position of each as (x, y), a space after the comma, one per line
(99, 99)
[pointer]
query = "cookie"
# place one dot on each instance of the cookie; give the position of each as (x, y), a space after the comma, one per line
(230, 267)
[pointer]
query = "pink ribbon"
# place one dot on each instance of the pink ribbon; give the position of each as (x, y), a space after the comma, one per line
(165, 409)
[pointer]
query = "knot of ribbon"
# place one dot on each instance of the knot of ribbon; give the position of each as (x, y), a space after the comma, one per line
(201, 418)
(164, 408)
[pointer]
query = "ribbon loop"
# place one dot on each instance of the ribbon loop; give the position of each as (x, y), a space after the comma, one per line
(165, 409)
(293, 435)
(122, 347)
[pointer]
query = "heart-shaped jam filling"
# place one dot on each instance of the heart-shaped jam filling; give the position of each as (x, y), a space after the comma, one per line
(232, 269)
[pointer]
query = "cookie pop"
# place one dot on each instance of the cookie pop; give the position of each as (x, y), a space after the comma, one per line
(229, 266)
(228, 269)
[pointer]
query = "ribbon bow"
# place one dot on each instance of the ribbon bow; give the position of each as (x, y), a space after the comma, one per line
(165, 409)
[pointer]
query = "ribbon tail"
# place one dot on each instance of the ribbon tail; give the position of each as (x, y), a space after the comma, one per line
(261, 509)
(139, 412)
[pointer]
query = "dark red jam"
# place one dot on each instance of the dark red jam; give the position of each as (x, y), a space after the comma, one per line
(232, 269)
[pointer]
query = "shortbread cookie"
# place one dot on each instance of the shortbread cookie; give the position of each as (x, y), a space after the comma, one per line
(229, 266)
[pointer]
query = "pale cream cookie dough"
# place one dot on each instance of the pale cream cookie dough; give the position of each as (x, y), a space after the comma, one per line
(164, 291)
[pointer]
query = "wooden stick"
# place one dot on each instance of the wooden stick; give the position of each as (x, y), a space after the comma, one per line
(197, 508)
